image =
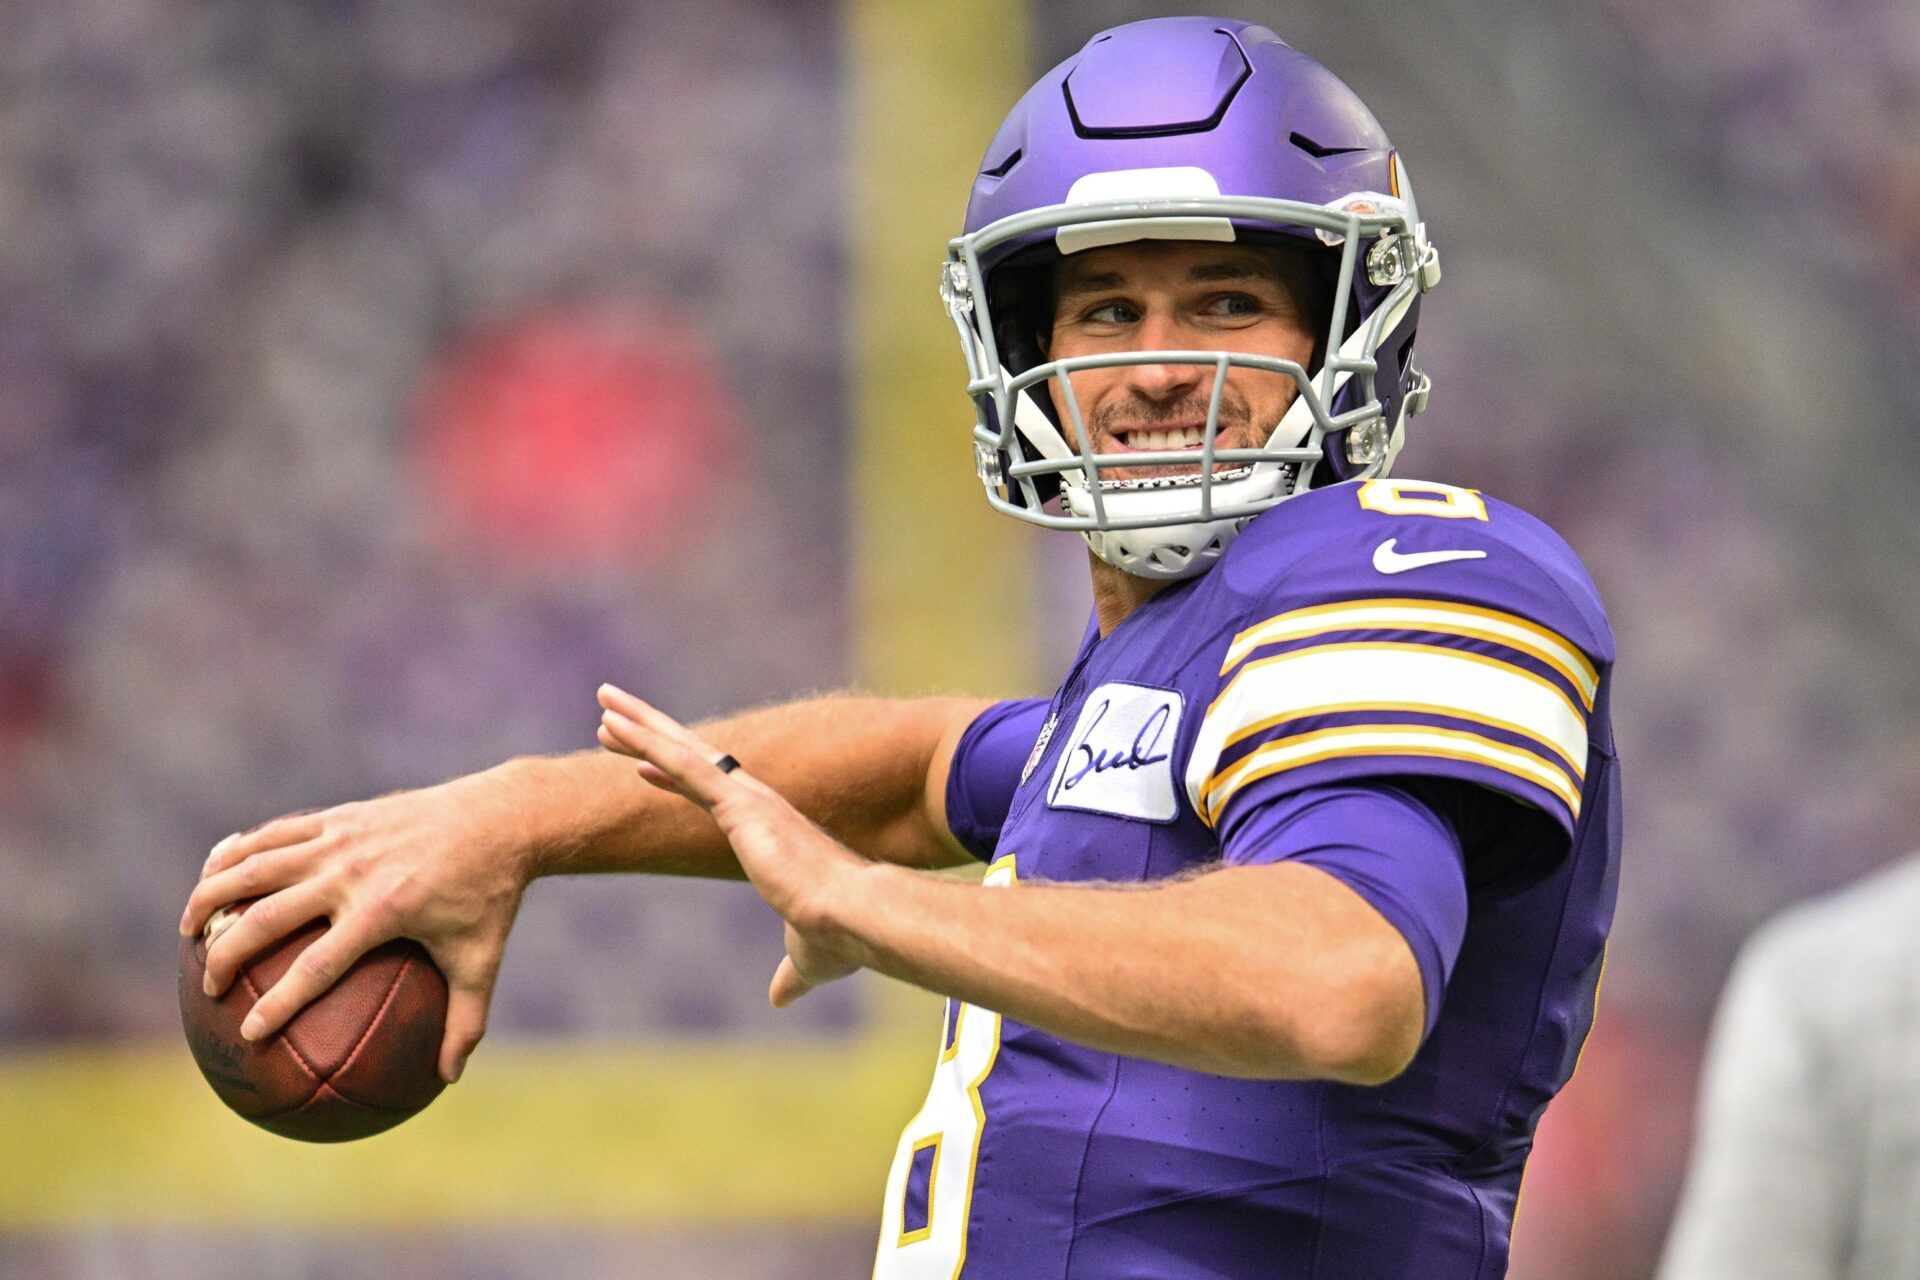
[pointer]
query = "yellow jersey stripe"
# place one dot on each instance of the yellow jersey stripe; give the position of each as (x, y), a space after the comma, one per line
(1404, 740)
(1467, 621)
(1576, 767)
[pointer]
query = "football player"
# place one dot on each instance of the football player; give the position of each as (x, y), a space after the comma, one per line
(1297, 887)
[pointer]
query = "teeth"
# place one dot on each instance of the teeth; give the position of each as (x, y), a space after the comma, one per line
(1177, 438)
(1183, 438)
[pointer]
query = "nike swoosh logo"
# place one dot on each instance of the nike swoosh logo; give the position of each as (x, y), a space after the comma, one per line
(1387, 560)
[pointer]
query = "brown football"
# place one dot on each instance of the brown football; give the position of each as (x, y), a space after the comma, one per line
(355, 1062)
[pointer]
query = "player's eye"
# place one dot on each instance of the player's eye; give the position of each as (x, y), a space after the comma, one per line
(1110, 314)
(1233, 305)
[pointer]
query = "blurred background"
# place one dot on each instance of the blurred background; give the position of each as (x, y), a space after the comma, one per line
(379, 376)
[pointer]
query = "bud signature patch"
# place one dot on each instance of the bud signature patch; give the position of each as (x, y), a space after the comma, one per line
(1119, 758)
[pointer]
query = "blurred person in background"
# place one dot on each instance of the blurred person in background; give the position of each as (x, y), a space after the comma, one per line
(1806, 1160)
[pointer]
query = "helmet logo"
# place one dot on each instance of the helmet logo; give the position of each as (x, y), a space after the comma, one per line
(1361, 204)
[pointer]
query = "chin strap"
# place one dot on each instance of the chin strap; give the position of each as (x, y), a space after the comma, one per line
(1031, 421)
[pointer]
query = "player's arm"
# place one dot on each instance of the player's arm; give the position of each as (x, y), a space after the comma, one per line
(447, 865)
(873, 771)
(1321, 950)
(1272, 971)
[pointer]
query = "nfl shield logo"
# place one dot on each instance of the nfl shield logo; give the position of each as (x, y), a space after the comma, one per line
(1040, 746)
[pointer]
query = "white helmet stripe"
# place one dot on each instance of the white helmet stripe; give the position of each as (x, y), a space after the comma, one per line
(1179, 182)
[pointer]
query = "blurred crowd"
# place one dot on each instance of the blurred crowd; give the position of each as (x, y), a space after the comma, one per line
(377, 377)
(1810, 110)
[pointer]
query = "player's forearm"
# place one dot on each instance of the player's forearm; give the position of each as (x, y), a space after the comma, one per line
(1268, 972)
(859, 767)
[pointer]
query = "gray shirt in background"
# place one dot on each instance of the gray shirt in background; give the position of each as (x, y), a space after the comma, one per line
(1806, 1161)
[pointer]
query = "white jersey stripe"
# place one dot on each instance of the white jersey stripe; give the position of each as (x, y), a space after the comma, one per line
(1420, 679)
(1467, 621)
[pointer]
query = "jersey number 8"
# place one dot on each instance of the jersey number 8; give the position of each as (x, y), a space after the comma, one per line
(923, 1223)
(1421, 498)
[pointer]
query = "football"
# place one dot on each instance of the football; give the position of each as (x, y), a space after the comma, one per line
(355, 1062)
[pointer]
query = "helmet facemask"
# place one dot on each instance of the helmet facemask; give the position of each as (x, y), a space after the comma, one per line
(1175, 524)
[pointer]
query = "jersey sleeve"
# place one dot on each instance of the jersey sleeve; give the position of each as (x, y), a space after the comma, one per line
(986, 771)
(1398, 847)
(1426, 636)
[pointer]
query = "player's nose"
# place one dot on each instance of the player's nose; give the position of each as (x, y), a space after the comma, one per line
(1160, 332)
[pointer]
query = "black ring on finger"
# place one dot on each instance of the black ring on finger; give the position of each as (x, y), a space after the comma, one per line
(726, 764)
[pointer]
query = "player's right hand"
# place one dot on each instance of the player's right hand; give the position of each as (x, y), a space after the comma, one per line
(441, 865)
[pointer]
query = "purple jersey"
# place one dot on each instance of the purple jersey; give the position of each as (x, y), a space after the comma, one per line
(1435, 664)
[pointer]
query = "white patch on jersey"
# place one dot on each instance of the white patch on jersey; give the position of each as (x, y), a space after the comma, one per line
(1039, 746)
(1120, 757)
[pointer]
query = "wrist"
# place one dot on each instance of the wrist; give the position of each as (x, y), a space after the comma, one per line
(856, 898)
(512, 797)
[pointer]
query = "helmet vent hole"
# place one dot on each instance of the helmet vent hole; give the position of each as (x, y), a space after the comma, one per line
(1005, 167)
(1317, 151)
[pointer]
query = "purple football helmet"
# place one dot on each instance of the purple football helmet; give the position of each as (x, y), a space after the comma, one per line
(1187, 129)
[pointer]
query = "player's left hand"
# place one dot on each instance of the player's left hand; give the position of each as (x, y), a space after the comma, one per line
(802, 872)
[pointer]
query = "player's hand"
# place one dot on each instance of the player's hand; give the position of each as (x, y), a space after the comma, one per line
(440, 865)
(809, 963)
(799, 869)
